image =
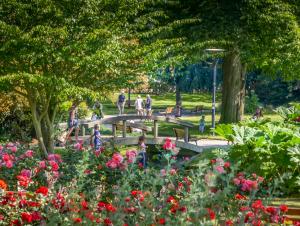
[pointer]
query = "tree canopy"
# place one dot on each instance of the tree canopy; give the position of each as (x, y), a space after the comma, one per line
(57, 50)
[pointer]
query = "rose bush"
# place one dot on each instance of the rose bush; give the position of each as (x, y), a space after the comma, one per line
(80, 186)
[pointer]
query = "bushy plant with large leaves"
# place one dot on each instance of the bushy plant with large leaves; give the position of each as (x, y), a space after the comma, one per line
(267, 148)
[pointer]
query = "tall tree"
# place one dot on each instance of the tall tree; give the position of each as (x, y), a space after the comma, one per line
(54, 50)
(260, 34)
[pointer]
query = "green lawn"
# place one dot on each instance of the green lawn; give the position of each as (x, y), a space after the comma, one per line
(160, 102)
(189, 101)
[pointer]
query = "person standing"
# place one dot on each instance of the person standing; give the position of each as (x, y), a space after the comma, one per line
(202, 124)
(142, 155)
(97, 138)
(121, 103)
(139, 106)
(148, 105)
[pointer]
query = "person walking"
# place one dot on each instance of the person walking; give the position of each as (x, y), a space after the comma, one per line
(73, 122)
(139, 105)
(148, 106)
(121, 103)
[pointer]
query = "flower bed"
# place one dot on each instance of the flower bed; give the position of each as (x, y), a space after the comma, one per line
(85, 187)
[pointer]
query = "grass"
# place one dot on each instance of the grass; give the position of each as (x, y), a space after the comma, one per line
(161, 102)
(189, 102)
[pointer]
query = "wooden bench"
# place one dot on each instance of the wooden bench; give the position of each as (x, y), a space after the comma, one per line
(180, 134)
(120, 128)
(199, 108)
(168, 111)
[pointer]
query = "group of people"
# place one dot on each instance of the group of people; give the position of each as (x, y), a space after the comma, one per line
(142, 107)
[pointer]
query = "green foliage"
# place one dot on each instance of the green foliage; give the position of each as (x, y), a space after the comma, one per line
(291, 114)
(265, 148)
(251, 102)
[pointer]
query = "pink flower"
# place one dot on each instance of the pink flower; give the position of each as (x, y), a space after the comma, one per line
(42, 164)
(29, 153)
(131, 156)
(55, 174)
(54, 165)
(173, 171)
(54, 157)
(6, 157)
(220, 161)
(25, 173)
(78, 146)
(9, 145)
(260, 179)
(117, 157)
(13, 149)
(168, 145)
(111, 164)
(1, 148)
(236, 181)
(163, 172)
(220, 169)
(9, 164)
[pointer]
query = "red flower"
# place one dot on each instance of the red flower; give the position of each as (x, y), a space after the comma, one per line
(171, 199)
(162, 221)
(283, 208)
(42, 190)
(257, 205)
(101, 206)
(54, 165)
(213, 161)
(26, 217)
(183, 209)
(240, 197)
(229, 223)
(271, 210)
(1, 217)
(77, 220)
(211, 213)
(36, 216)
(107, 221)
(227, 165)
(110, 208)
(84, 205)
(248, 216)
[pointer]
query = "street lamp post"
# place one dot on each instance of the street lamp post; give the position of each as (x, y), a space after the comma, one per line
(213, 108)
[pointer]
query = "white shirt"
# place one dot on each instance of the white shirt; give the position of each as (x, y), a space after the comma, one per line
(139, 104)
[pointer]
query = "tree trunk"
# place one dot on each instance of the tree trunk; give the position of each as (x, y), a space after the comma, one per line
(178, 96)
(178, 100)
(38, 128)
(233, 91)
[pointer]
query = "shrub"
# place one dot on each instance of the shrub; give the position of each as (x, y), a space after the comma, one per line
(83, 186)
(265, 148)
(251, 102)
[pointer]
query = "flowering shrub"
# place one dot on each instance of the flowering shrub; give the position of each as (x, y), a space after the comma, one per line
(87, 187)
(270, 149)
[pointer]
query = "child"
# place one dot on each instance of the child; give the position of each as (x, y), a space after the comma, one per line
(97, 139)
(142, 156)
(202, 124)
